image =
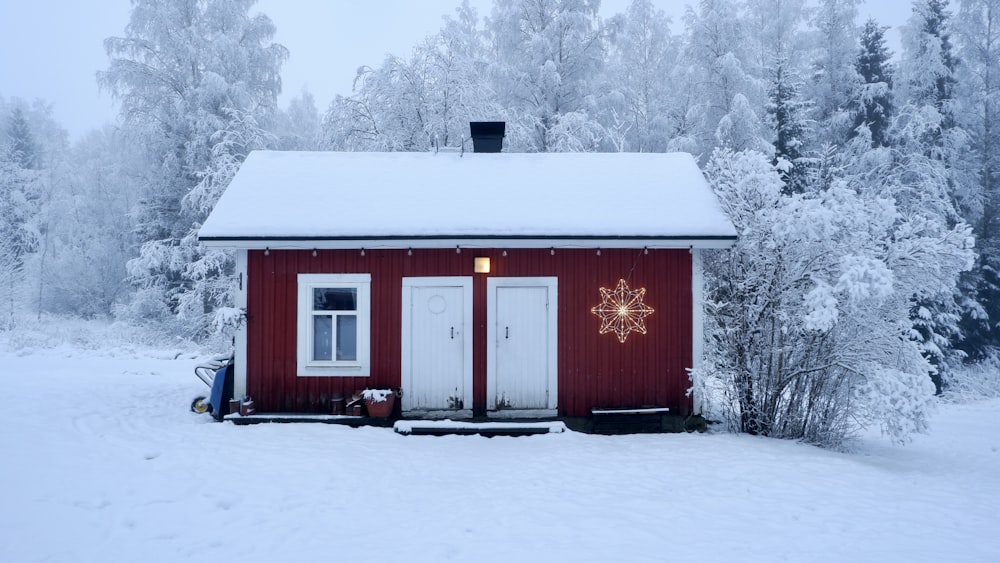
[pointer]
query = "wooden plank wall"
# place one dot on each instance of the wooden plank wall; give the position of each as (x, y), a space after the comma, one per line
(594, 370)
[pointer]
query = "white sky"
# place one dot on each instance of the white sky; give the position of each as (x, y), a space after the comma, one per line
(52, 49)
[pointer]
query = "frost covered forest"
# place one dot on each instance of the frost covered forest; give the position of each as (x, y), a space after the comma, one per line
(862, 181)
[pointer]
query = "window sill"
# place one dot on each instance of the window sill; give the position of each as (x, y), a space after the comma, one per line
(333, 371)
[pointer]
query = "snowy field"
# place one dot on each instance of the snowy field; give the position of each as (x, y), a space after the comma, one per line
(103, 462)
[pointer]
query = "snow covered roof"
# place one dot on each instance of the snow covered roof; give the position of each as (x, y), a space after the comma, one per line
(426, 200)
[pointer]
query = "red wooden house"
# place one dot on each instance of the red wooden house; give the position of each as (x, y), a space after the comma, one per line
(497, 284)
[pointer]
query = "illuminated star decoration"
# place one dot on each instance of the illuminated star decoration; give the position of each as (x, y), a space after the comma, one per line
(622, 310)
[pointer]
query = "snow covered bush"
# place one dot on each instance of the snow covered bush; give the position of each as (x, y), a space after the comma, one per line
(973, 382)
(809, 329)
(101, 335)
(900, 402)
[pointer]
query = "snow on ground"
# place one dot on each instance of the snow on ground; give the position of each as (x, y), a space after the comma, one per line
(103, 462)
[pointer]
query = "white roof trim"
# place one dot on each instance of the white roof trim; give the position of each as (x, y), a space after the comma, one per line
(390, 244)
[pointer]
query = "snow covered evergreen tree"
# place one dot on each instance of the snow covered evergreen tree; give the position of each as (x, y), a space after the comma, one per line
(978, 88)
(19, 187)
(872, 104)
(933, 149)
(776, 57)
(18, 237)
(788, 113)
(22, 148)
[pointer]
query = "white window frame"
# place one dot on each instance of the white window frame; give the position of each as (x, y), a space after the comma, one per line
(306, 366)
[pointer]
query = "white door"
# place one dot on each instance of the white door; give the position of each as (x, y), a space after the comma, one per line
(521, 350)
(437, 345)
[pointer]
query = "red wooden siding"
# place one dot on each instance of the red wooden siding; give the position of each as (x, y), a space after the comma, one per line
(594, 370)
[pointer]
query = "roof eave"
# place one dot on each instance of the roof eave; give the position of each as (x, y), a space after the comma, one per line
(401, 242)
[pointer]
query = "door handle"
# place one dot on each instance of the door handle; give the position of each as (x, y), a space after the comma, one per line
(453, 333)
(506, 333)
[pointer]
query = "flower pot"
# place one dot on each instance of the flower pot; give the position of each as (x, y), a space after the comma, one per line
(380, 405)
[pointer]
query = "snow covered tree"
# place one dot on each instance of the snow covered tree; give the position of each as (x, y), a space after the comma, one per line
(637, 109)
(809, 310)
(775, 33)
(19, 186)
(32, 173)
(724, 94)
(90, 222)
(458, 70)
(833, 71)
(353, 123)
(742, 128)
(18, 237)
(788, 113)
(918, 184)
(298, 126)
(933, 149)
(545, 56)
(776, 57)
(23, 149)
(11, 285)
(205, 307)
(928, 82)
(977, 28)
(930, 64)
(185, 72)
(872, 104)
(420, 103)
(386, 112)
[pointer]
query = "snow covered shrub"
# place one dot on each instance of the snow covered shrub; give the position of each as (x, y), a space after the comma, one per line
(98, 334)
(808, 321)
(973, 382)
(148, 310)
(899, 402)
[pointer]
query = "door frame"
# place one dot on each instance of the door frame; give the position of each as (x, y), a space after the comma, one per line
(465, 282)
(552, 353)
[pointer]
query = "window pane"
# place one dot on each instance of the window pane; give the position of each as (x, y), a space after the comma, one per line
(347, 338)
(335, 299)
(322, 338)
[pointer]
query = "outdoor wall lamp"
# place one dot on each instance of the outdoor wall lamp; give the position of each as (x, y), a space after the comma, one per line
(482, 265)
